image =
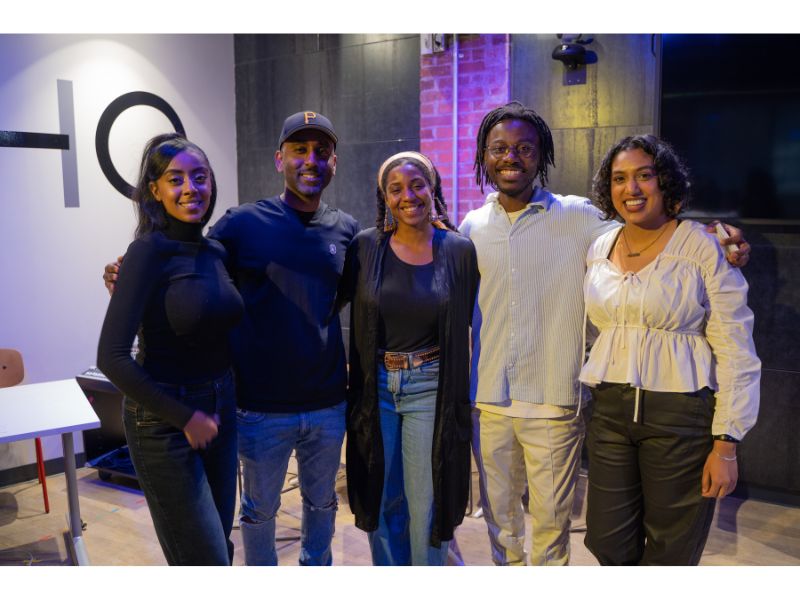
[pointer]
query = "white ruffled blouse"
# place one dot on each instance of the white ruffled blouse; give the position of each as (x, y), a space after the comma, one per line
(678, 325)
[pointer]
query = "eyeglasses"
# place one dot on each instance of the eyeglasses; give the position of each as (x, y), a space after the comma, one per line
(521, 150)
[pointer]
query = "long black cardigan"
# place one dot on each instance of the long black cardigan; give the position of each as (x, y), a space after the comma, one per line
(456, 283)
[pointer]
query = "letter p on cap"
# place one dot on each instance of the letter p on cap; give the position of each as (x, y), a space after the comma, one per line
(309, 115)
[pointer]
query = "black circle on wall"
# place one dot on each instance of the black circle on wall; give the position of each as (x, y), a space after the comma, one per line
(110, 114)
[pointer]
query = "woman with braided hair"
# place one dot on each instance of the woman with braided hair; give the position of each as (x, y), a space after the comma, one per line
(412, 282)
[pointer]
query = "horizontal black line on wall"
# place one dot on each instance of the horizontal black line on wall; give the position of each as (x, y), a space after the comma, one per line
(24, 139)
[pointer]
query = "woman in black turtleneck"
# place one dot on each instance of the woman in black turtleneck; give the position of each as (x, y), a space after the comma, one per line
(179, 409)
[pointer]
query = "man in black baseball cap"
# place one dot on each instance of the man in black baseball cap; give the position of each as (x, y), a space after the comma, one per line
(306, 120)
(289, 357)
(306, 157)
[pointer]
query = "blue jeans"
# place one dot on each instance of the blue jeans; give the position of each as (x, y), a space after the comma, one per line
(191, 494)
(266, 441)
(407, 402)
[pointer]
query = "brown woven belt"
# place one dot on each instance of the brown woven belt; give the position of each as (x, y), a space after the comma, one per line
(394, 361)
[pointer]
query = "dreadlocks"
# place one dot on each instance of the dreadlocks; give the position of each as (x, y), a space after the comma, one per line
(514, 110)
(439, 205)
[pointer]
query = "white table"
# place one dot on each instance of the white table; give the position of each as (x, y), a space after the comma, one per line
(40, 409)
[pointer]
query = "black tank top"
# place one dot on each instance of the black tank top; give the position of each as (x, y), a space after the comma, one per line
(409, 306)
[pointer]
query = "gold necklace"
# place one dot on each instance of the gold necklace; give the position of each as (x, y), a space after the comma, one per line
(631, 253)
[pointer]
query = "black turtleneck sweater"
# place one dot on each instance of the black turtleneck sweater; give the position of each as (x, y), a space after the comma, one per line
(174, 291)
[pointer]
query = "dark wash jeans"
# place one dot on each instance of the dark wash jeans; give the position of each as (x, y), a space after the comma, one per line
(644, 504)
(191, 494)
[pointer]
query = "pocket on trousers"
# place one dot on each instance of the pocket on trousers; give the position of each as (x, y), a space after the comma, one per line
(429, 369)
(424, 377)
(702, 404)
(141, 416)
(249, 417)
(708, 401)
(679, 409)
(607, 400)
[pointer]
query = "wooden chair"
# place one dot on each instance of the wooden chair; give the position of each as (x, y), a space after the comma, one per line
(12, 372)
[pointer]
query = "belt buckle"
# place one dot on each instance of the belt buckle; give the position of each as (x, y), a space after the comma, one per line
(394, 361)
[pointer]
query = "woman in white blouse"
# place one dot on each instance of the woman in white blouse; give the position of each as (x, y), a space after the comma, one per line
(674, 372)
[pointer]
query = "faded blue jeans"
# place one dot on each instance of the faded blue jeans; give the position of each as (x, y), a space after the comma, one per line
(191, 494)
(266, 441)
(407, 401)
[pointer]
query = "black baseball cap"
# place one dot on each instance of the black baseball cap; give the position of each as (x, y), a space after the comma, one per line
(307, 119)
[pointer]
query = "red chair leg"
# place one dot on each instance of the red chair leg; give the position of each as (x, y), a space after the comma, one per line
(41, 472)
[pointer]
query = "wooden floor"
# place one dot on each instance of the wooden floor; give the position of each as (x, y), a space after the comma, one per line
(119, 530)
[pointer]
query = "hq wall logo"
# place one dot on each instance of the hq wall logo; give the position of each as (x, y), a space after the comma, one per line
(65, 141)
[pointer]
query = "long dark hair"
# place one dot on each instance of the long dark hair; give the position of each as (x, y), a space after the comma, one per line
(514, 110)
(157, 155)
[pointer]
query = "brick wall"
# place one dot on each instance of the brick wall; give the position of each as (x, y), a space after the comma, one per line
(483, 84)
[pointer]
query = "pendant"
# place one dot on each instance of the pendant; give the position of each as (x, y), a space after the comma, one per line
(633, 254)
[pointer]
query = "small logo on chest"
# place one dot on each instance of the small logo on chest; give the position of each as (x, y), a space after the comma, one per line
(332, 249)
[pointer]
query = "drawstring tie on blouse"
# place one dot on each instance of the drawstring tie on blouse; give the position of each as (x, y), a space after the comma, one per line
(622, 300)
(628, 279)
(640, 346)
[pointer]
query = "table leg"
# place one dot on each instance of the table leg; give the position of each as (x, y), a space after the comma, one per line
(70, 474)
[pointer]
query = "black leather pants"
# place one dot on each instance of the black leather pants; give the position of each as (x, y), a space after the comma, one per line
(644, 502)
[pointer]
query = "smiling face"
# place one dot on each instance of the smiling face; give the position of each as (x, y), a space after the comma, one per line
(184, 189)
(510, 172)
(635, 192)
(308, 163)
(409, 196)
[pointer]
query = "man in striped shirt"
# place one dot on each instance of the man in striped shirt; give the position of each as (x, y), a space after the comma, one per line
(527, 329)
(527, 336)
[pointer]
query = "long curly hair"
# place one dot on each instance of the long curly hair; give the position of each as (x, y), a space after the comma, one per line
(672, 173)
(157, 155)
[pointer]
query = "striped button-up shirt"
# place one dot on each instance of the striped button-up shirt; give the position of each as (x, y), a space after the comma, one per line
(528, 319)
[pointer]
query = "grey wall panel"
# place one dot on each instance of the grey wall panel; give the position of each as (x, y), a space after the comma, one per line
(259, 47)
(620, 87)
(376, 90)
(769, 453)
(626, 79)
(330, 41)
(774, 278)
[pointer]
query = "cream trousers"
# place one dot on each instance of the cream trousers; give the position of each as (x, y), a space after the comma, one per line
(546, 453)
